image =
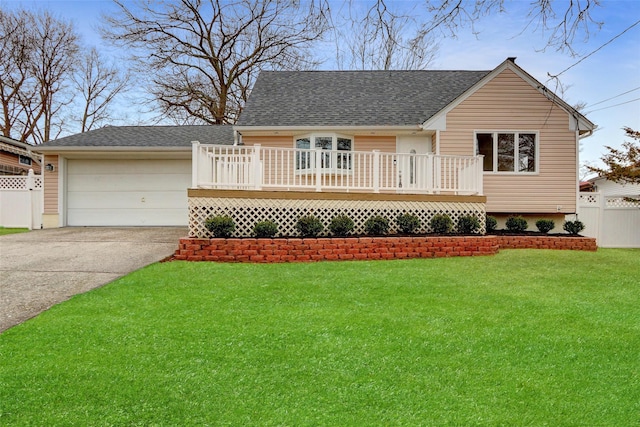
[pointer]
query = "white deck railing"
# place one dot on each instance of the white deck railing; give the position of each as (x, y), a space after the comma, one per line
(256, 167)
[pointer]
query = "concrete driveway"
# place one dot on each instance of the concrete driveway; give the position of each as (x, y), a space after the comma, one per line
(44, 267)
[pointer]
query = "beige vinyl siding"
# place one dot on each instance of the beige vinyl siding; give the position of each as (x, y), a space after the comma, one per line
(386, 144)
(51, 185)
(508, 103)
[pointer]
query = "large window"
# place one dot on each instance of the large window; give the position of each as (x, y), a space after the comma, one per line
(515, 152)
(332, 143)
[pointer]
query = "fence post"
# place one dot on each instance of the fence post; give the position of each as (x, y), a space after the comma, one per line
(195, 159)
(30, 184)
(257, 173)
(376, 171)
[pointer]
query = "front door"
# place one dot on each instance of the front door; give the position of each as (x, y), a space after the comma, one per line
(412, 167)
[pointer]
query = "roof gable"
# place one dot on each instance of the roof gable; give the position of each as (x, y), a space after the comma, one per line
(353, 98)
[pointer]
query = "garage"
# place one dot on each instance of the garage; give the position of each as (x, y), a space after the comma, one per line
(127, 192)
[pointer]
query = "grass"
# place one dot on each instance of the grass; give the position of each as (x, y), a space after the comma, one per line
(523, 338)
(4, 231)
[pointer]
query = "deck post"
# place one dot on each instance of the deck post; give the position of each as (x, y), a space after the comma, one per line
(318, 155)
(195, 159)
(480, 174)
(376, 171)
(257, 173)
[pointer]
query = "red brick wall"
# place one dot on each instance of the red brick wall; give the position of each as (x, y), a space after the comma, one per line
(354, 248)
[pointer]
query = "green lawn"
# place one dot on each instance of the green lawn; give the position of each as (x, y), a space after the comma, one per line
(4, 231)
(525, 338)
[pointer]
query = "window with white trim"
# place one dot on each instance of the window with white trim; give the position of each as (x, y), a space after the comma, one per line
(329, 142)
(508, 152)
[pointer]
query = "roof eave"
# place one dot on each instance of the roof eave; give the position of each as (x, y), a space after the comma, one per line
(66, 148)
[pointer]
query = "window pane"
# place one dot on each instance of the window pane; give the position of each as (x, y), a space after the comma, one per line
(527, 152)
(485, 147)
(303, 160)
(344, 160)
(506, 152)
(23, 160)
(325, 143)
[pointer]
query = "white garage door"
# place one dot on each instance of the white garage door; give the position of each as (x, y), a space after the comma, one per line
(127, 192)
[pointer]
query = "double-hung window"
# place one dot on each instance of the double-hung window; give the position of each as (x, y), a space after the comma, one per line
(337, 157)
(508, 152)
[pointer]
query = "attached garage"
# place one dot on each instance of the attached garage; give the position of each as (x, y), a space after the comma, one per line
(127, 192)
(123, 175)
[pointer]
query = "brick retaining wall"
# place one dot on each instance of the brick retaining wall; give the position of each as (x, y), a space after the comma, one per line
(353, 248)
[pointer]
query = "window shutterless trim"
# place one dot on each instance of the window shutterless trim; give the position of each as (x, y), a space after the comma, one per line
(516, 133)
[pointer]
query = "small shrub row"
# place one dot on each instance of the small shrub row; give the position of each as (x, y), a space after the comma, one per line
(341, 225)
(518, 224)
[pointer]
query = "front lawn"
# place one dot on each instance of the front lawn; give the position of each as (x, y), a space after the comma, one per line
(4, 231)
(526, 337)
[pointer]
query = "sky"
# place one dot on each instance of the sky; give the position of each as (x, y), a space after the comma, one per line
(608, 80)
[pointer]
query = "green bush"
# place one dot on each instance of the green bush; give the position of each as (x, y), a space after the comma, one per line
(220, 225)
(468, 224)
(341, 225)
(573, 227)
(265, 229)
(545, 225)
(309, 226)
(376, 226)
(516, 224)
(408, 223)
(491, 223)
(441, 224)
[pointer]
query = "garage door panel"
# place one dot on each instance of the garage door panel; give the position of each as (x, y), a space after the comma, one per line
(132, 200)
(129, 182)
(126, 217)
(119, 167)
(127, 192)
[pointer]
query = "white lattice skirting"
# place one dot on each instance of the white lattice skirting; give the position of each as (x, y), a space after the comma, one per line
(286, 211)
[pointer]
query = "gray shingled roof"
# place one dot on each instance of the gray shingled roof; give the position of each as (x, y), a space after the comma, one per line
(353, 98)
(146, 136)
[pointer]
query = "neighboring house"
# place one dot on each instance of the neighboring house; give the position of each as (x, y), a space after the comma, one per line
(612, 189)
(16, 158)
(354, 142)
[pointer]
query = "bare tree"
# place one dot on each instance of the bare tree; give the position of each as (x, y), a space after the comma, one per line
(15, 58)
(99, 84)
(38, 54)
(563, 21)
(383, 39)
(202, 56)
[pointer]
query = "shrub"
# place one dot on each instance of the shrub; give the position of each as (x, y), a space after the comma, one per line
(309, 226)
(341, 225)
(220, 225)
(516, 224)
(376, 226)
(265, 229)
(468, 224)
(491, 223)
(573, 227)
(441, 224)
(545, 225)
(408, 223)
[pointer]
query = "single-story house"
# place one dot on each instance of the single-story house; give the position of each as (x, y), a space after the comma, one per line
(327, 142)
(612, 189)
(16, 158)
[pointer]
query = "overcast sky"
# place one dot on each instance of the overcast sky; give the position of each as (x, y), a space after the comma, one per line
(611, 71)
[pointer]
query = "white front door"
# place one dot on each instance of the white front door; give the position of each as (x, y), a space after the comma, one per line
(412, 170)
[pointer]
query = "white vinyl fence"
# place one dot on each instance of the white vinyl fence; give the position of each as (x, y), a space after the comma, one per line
(21, 201)
(613, 221)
